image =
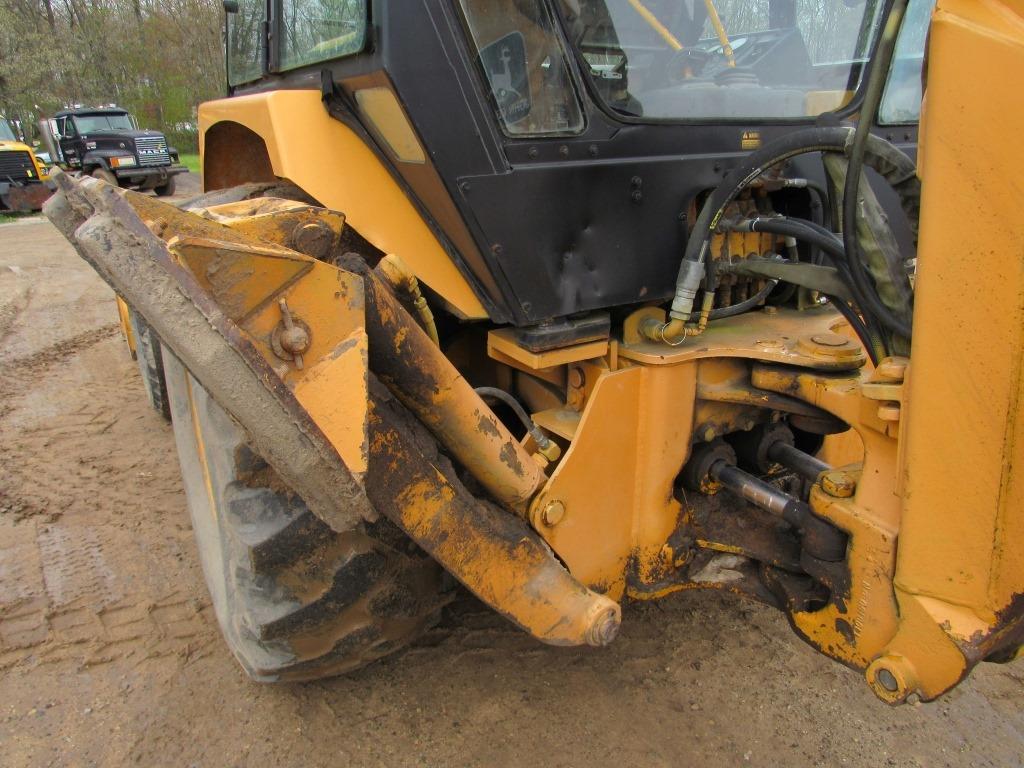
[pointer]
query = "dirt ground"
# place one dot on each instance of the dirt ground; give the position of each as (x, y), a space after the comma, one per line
(110, 655)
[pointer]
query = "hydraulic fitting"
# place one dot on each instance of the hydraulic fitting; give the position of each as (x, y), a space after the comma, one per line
(401, 277)
(691, 273)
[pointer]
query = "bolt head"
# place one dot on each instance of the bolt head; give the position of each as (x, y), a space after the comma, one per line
(295, 340)
(839, 484)
(554, 512)
(313, 238)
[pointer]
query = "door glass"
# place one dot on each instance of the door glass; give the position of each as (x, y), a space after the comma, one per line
(525, 65)
(317, 30)
(245, 41)
(901, 102)
(731, 59)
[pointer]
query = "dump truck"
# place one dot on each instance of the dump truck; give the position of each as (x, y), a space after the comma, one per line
(579, 302)
(107, 143)
(23, 178)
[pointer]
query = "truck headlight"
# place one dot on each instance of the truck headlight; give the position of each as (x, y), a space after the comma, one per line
(122, 162)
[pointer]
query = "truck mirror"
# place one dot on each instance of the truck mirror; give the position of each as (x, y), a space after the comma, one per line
(230, 6)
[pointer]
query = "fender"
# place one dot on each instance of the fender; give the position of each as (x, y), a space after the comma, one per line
(304, 144)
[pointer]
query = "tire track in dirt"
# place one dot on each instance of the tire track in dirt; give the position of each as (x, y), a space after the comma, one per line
(79, 582)
(88, 632)
(12, 309)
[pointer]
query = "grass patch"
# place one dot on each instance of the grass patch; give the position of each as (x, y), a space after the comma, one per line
(191, 162)
(7, 217)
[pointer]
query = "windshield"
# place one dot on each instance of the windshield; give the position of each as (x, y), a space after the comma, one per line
(93, 123)
(6, 134)
(732, 59)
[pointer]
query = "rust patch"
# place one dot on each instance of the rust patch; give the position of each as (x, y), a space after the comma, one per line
(510, 458)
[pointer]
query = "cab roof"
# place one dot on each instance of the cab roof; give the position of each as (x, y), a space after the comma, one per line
(92, 111)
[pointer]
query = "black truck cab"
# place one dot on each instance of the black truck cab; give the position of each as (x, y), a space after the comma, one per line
(106, 142)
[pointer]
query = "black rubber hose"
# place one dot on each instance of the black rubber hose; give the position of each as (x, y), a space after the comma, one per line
(801, 230)
(494, 393)
(738, 309)
(817, 139)
(855, 321)
(830, 242)
(851, 192)
(823, 217)
(895, 167)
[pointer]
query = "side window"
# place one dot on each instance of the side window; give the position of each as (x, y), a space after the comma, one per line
(525, 65)
(317, 30)
(69, 131)
(901, 102)
(245, 41)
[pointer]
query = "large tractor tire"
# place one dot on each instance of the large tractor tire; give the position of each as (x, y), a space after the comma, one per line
(150, 359)
(294, 599)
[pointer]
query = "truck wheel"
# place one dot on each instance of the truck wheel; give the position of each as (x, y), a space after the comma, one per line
(149, 357)
(104, 175)
(294, 599)
(167, 189)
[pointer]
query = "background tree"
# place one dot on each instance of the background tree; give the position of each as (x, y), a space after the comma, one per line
(157, 58)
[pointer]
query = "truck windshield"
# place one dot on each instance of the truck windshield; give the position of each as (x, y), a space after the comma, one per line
(93, 123)
(731, 59)
(6, 134)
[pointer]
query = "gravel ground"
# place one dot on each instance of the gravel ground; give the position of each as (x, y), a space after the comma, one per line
(110, 655)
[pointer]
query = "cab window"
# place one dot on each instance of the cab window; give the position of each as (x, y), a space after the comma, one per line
(525, 66)
(901, 103)
(318, 30)
(723, 59)
(245, 41)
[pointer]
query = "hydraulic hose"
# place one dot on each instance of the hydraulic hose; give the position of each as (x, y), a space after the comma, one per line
(543, 442)
(895, 167)
(869, 108)
(869, 342)
(829, 244)
(744, 306)
(798, 228)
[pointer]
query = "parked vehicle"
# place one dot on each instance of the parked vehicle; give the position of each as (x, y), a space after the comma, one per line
(23, 178)
(107, 143)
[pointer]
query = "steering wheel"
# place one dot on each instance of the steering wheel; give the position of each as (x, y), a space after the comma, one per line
(686, 64)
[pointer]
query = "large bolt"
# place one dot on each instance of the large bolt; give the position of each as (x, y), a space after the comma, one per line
(839, 484)
(313, 238)
(553, 513)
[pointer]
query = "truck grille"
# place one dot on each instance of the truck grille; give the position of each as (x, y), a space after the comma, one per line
(152, 150)
(16, 166)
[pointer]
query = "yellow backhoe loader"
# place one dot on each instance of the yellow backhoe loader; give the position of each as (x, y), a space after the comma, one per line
(24, 179)
(582, 301)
